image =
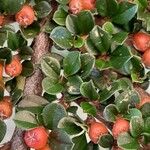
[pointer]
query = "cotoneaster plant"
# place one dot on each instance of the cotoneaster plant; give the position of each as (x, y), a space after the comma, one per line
(92, 79)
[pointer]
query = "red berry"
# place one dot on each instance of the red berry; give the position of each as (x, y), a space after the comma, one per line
(1, 20)
(36, 138)
(47, 147)
(141, 41)
(121, 125)
(6, 108)
(14, 68)
(96, 130)
(143, 101)
(146, 58)
(76, 6)
(25, 16)
(1, 71)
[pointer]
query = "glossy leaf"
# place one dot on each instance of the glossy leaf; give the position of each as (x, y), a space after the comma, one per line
(25, 120)
(70, 125)
(110, 112)
(77, 23)
(80, 142)
(52, 114)
(43, 9)
(72, 63)
(125, 13)
(51, 87)
(125, 141)
(60, 140)
(3, 129)
(88, 108)
(136, 126)
(62, 37)
(88, 90)
(28, 68)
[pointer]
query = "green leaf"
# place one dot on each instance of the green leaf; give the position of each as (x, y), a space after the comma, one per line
(98, 41)
(108, 27)
(32, 103)
(62, 1)
(77, 23)
(72, 63)
(133, 112)
(70, 126)
(110, 112)
(5, 54)
(88, 108)
(25, 120)
(28, 68)
(120, 37)
(52, 114)
(125, 13)
(78, 42)
(120, 56)
(50, 67)
(60, 140)
(147, 125)
(107, 7)
(142, 3)
(51, 87)
(80, 143)
(125, 141)
(25, 52)
(136, 126)
(15, 40)
(2, 130)
(12, 6)
(145, 109)
(73, 84)
(88, 90)
(31, 31)
(3, 37)
(87, 64)
(16, 95)
(62, 37)
(106, 141)
(60, 16)
(43, 9)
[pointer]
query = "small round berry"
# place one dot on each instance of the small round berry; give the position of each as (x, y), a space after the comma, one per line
(76, 6)
(6, 108)
(1, 20)
(121, 125)
(146, 58)
(141, 41)
(1, 71)
(14, 68)
(96, 130)
(143, 101)
(36, 138)
(25, 16)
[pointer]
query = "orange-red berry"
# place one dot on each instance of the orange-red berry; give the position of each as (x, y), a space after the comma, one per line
(14, 68)
(76, 6)
(96, 130)
(36, 138)
(6, 108)
(146, 58)
(1, 20)
(121, 125)
(1, 71)
(47, 147)
(143, 101)
(25, 16)
(141, 41)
